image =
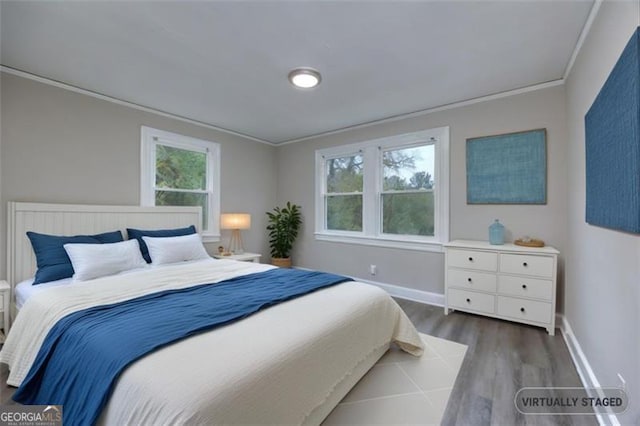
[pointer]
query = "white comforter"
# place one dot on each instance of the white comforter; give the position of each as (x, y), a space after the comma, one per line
(275, 367)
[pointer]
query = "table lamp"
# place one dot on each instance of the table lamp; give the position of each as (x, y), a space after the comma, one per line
(235, 222)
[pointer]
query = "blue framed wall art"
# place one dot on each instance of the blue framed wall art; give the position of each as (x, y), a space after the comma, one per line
(612, 146)
(508, 169)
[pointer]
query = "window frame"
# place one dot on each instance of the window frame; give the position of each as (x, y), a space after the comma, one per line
(150, 138)
(372, 152)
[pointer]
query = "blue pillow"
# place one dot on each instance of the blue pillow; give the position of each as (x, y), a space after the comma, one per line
(53, 262)
(159, 233)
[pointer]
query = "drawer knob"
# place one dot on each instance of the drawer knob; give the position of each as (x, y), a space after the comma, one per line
(468, 300)
(522, 310)
(471, 259)
(469, 279)
(524, 264)
(524, 286)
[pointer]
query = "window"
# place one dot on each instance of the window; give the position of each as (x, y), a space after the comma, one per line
(343, 196)
(407, 191)
(178, 170)
(391, 192)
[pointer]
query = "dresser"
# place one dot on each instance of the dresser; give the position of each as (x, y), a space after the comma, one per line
(502, 281)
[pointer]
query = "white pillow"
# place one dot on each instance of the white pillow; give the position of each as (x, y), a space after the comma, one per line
(163, 250)
(91, 261)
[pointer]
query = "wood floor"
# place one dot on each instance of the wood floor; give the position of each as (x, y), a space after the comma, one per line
(502, 357)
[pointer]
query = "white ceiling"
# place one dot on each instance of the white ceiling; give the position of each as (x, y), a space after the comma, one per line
(226, 63)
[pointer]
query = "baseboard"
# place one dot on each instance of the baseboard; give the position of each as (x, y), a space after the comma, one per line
(587, 376)
(420, 296)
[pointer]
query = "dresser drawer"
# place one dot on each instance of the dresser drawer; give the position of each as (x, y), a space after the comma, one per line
(480, 260)
(525, 287)
(471, 280)
(471, 300)
(521, 309)
(523, 264)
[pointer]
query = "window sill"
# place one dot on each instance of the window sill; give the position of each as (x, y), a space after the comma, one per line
(385, 242)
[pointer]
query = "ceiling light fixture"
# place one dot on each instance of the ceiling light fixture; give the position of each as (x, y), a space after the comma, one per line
(305, 78)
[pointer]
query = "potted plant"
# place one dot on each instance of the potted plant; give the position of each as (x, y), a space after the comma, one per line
(284, 224)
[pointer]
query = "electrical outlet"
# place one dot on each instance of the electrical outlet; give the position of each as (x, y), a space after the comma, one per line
(373, 269)
(623, 382)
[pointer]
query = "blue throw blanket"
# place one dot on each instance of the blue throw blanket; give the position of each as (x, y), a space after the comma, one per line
(85, 352)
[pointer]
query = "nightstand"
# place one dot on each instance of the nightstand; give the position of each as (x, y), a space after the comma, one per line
(245, 257)
(5, 296)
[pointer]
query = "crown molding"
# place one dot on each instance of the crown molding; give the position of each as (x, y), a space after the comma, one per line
(423, 112)
(583, 35)
(414, 114)
(65, 86)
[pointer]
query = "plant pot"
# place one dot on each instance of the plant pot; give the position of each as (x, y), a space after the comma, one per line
(281, 262)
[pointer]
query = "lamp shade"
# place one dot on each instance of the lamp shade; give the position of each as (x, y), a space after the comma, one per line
(235, 221)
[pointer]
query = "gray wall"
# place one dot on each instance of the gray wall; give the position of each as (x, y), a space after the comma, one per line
(603, 266)
(422, 270)
(63, 147)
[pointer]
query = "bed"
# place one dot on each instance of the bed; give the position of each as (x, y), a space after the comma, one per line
(288, 364)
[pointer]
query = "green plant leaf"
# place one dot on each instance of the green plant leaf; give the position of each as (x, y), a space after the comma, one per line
(283, 224)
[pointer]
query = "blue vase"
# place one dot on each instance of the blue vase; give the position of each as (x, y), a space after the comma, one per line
(496, 233)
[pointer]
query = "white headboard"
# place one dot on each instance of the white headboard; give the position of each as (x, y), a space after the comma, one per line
(69, 219)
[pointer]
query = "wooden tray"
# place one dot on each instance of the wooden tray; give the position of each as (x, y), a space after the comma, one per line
(531, 243)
